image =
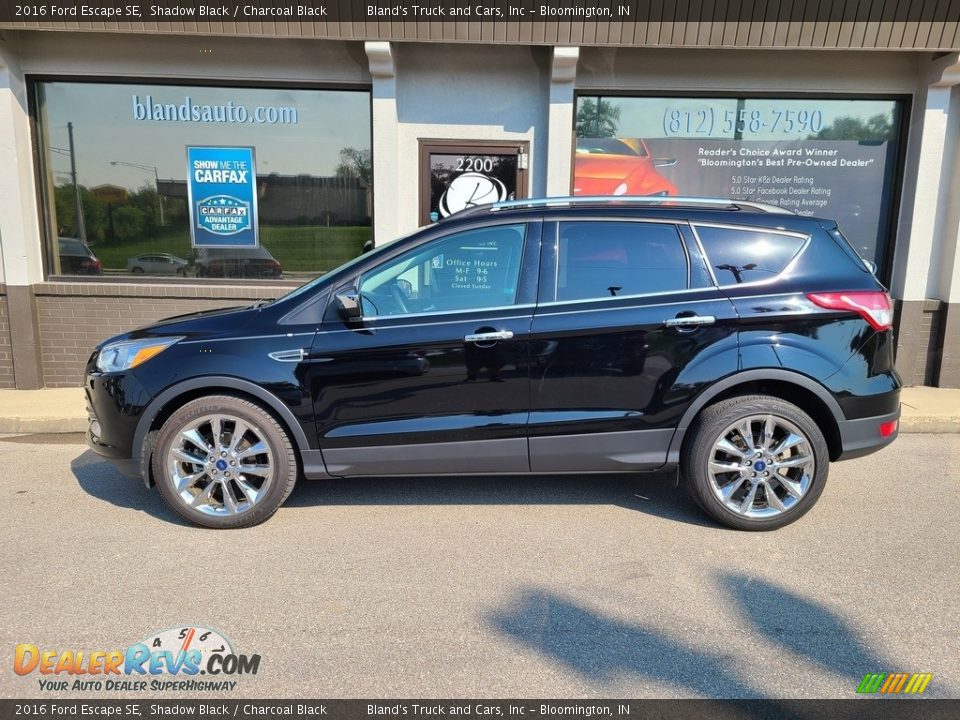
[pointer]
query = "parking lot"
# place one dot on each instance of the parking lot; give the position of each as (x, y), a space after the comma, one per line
(498, 587)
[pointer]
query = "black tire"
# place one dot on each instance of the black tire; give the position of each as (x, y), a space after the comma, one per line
(708, 429)
(137, 270)
(266, 427)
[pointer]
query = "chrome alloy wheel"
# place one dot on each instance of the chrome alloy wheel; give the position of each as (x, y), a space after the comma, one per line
(761, 466)
(220, 465)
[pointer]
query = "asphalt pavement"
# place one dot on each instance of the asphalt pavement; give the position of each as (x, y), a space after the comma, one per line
(496, 587)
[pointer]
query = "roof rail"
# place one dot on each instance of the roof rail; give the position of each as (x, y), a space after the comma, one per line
(664, 200)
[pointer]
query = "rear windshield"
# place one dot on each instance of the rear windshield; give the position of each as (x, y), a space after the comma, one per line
(745, 255)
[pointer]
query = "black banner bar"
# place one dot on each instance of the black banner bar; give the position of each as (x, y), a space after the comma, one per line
(621, 11)
(424, 709)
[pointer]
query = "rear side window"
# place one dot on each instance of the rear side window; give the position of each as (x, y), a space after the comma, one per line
(610, 259)
(742, 255)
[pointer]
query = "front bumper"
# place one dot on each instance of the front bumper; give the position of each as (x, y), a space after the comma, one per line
(115, 403)
(863, 436)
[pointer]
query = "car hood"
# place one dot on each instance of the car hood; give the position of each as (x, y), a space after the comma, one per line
(207, 323)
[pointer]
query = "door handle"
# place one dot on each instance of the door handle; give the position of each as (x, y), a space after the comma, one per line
(691, 320)
(489, 336)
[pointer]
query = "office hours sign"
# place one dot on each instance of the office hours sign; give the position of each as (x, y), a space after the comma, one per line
(222, 192)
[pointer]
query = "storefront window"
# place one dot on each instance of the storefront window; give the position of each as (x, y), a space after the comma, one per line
(829, 158)
(280, 188)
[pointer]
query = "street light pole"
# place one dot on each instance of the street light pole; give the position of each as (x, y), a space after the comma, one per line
(156, 179)
(81, 224)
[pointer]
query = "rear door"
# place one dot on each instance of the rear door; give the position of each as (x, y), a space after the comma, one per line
(435, 379)
(628, 329)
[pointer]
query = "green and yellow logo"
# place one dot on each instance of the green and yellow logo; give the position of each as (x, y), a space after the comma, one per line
(894, 683)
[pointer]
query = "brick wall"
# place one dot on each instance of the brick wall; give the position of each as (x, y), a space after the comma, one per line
(6, 354)
(74, 317)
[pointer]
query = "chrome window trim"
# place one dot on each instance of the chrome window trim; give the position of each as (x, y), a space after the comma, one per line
(628, 307)
(321, 331)
(625, 297)
(399, 316)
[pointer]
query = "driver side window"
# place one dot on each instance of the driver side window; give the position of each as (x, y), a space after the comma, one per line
(470, 270)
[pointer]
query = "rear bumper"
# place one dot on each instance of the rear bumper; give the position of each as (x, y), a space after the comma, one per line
(862, 437)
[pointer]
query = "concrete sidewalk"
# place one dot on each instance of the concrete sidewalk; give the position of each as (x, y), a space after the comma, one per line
(63, 410)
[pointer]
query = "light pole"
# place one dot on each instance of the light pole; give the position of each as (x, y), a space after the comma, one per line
(156, 179)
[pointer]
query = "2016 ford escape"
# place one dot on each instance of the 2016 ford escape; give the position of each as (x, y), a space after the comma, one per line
(746, 345)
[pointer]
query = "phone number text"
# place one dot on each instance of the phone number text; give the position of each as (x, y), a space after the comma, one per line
(711, 121)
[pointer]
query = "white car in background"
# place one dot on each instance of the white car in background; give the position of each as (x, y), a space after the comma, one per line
(157, 264)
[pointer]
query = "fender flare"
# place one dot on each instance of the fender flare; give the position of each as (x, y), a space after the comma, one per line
(215, 383)
(757, 374)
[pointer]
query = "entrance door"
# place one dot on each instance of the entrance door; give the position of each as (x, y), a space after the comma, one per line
(455, 176)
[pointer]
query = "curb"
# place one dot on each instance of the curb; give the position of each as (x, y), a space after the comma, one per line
(42, 425)
(929, 424)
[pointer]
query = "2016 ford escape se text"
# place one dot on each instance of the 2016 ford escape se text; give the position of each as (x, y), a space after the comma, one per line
(745, 345)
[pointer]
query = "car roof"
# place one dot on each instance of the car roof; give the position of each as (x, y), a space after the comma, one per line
(705, 210)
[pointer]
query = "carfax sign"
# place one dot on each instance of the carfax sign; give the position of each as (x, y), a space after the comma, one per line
(222, 191)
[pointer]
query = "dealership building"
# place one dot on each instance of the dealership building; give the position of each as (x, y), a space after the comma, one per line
(352, 133)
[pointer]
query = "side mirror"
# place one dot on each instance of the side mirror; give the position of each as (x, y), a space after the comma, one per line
(348, 305)
(664, 162)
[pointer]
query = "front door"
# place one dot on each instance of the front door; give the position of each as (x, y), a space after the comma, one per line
(435, 378)
(629, 329)
(455, 176)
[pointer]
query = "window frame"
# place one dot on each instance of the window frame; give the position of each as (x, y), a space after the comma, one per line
(33, 80)
(548, 295)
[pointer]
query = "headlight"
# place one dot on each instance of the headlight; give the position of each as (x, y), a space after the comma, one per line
(126, 354)
(620, 189)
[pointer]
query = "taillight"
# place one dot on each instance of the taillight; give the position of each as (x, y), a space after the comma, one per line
(888, 428)
(873, 306)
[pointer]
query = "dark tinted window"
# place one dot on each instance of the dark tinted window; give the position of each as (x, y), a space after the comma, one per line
(740, 256)
(605, 259)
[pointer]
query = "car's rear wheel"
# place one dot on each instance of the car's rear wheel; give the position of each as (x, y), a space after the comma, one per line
(755, 462)
(137, 270)
(223, 462)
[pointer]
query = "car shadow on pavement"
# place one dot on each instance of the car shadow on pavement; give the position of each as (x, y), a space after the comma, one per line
(804, 628)
(652, 494)
(99, 478)
(604, 649)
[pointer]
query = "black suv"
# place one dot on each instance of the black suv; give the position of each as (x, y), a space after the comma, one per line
(746, 345)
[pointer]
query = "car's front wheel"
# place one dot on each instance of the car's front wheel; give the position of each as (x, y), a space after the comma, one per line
(755, 462)
(224, 462)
